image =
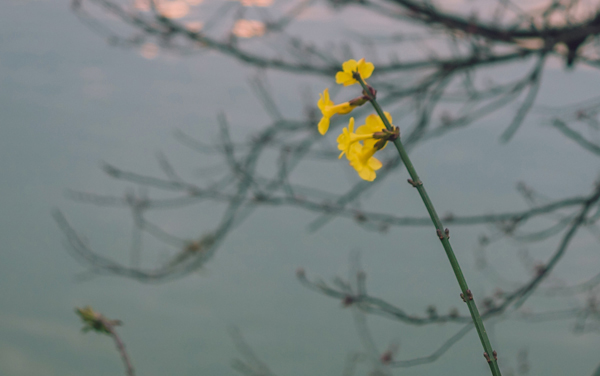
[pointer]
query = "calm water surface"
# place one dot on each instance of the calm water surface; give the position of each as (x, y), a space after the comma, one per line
(69, 101)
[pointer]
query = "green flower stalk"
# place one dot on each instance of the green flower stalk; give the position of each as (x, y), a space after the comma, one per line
(443, 234)
(357, 154)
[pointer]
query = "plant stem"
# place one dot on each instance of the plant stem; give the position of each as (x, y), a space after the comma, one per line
(444, 237)
(130, 371)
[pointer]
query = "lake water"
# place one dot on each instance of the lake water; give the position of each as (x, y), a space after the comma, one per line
(70, 101)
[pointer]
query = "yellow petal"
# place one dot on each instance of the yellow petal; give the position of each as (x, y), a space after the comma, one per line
(324, 125)
(370, 143)
(372, 124)
(388, 116)
(343, 108)
(365, 69)
(324, 100)
(375, 164)
(342, 141)
(352, 153)
(344, 78)
(350, 66)
(367, 174)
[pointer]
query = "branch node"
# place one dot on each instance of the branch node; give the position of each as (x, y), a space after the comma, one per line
(469, 296)
(348, 301)
(387, 357)
(415, 183)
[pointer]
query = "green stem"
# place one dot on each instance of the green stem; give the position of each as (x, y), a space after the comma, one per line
(477, 321)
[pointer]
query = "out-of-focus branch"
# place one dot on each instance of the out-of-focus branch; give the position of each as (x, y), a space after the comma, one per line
(576, 136)
(419, 88)
(94, 321)
(492, 306)
(250, 364)
(243, 190)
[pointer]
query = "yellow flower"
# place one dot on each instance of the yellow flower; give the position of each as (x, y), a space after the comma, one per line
(373, 123)
(345, 77)
(364, 133)
(361, 158)
(328, 109)
(349, 138)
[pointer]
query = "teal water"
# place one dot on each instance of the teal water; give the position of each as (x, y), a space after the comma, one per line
(69, 101)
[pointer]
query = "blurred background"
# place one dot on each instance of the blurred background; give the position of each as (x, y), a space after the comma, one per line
(495, 123)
